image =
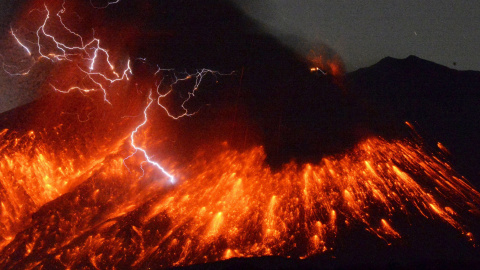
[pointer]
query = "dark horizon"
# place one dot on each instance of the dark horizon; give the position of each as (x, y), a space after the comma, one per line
(441, 35)
(285, 157)
(362, 32)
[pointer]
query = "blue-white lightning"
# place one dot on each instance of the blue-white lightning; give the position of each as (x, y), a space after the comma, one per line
(143, 151)
(198, 76)
(106, 5)
(87, 52)
(85, 55)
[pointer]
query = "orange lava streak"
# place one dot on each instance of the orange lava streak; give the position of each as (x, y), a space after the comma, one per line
(33, 173)
(232, 205)
(238, 204)
(83, 208)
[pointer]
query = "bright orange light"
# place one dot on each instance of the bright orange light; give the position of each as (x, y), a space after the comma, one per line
(74, 200)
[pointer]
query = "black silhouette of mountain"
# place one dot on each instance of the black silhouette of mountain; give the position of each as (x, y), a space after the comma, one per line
(298, 114)
(442, 103)
(294, 113)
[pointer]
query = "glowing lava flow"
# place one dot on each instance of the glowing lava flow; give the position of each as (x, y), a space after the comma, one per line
(198, 77)
(87, 54)
(226, 203)
(31, 181)
(229, 204)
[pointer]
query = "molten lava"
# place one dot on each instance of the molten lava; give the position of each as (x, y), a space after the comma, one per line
(225, 204)
(332, 65)
(98, 193)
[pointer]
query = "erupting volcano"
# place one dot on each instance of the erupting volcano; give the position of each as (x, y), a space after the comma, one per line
(149, 148)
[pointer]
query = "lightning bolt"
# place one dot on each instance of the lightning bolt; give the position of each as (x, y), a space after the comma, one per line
(143, 151)
(89, 54)
(185, 76)
(198, 76)
(19, 42)
(106, 5)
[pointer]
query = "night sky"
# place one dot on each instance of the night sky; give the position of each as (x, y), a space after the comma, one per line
(363, 32)
(370, 170)
(360, 32)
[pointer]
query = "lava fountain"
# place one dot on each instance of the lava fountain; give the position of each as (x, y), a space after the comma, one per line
(94, 181)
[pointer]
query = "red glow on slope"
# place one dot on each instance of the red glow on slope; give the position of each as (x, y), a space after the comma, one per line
(96, 192)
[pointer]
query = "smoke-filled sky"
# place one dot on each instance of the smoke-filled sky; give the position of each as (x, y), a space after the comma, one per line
(361, 31)
(364, 31)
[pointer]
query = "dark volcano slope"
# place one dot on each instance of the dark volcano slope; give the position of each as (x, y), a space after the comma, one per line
(272, 98)
(443, 104)
(296, 114)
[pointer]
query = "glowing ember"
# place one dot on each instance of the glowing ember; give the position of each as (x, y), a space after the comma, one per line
(101, 75)
(332, 65)
(87, 199)
(230, 204)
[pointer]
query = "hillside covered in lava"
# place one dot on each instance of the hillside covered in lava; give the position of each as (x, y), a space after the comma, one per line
(178, 133)
(441, 102)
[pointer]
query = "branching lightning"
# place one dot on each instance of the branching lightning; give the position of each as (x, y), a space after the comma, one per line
(231, 204)
(86, 57)
(88, 53)
(143, 151)
(185, 76)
